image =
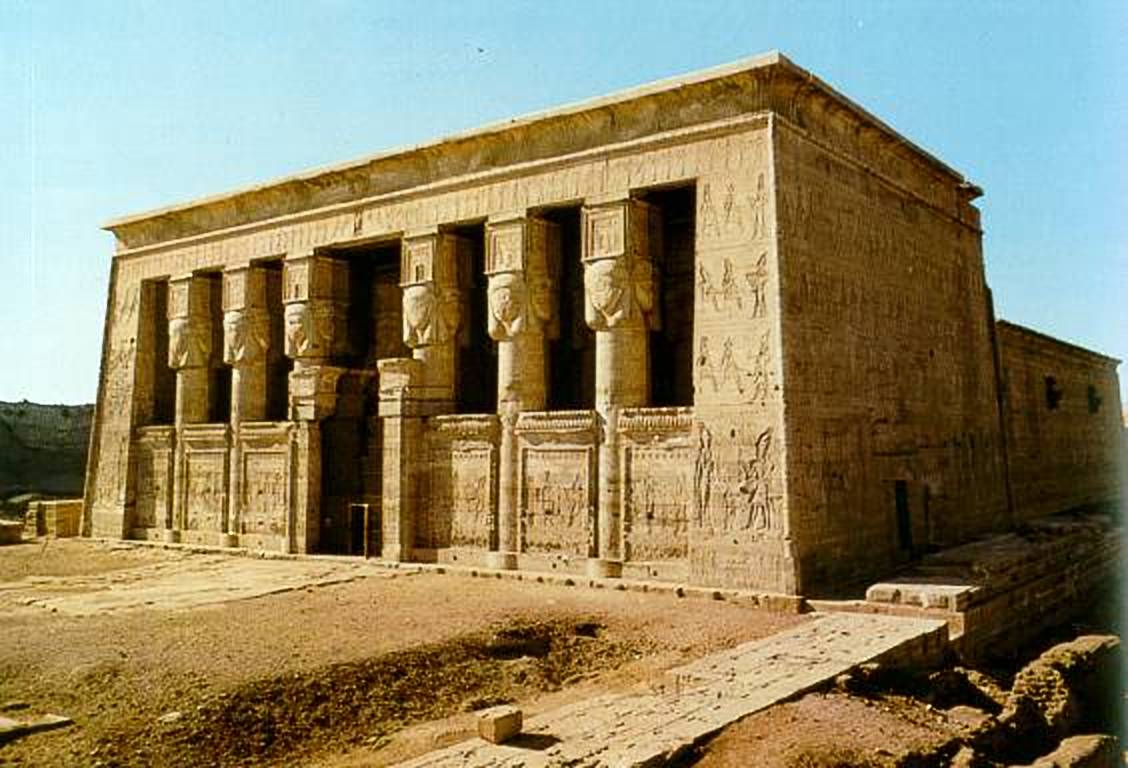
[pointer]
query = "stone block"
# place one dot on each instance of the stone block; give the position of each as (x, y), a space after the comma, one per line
(499, 724)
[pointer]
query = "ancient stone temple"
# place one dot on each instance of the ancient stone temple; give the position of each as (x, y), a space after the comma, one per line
(729, 329)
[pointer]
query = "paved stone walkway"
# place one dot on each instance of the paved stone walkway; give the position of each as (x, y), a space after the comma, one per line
(650, 729)
(185, 582)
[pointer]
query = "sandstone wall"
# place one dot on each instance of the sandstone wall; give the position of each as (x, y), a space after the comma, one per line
(1062, 406)
(889, 384)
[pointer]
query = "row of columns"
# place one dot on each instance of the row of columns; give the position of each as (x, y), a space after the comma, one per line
(523, 261)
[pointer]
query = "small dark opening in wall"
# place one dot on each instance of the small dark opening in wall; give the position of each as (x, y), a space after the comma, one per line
(1094, 399)
(904, 523)
(1053, 393)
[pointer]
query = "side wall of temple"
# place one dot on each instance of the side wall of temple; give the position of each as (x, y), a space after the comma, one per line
(1062, 406)
(893, 426)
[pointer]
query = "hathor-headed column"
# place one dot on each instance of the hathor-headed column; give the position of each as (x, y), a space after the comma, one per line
(522, 258)
(619, 240)
(246, 348)
(432, 309)
(316, 300)
(190, 355)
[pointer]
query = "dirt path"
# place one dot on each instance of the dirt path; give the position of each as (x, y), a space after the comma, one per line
(148, 652)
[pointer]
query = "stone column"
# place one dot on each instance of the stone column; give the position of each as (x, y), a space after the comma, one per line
(401, 412)
(190, 355)
(619, 239)
(315, 295)
(522, 258)
(246, 348)
(432, 310)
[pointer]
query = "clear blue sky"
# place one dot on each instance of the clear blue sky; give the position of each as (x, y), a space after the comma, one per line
(110, 108)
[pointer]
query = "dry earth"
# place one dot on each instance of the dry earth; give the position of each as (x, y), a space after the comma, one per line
(172, 658)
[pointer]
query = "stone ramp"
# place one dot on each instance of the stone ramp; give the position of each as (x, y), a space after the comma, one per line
(701, 698)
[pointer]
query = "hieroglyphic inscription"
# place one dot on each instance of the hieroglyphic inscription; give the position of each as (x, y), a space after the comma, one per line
(556, 500)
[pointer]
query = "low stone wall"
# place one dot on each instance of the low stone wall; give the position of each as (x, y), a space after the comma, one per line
(11, 532)
(1000, 592)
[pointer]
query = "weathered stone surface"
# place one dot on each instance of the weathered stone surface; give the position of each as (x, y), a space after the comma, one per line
(1067, 679)
(11, 532)
(567, 343)
(1087, 751)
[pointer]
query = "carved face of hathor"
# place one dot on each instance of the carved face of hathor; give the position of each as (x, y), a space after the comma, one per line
(188, 347)
(299, 330)
(243, 341)
(508, 301)
(607, 285)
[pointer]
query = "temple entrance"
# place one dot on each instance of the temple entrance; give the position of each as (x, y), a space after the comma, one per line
(352, 438)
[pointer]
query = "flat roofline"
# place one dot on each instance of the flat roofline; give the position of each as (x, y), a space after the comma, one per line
(1067, 345)
(762, 61)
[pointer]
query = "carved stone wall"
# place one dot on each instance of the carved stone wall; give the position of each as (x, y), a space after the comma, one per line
(1062, 408)
(201, 511)
(262, 509)
(155, 453)
(893, 439)
(461, 484)
(557, 481)
(658, 466)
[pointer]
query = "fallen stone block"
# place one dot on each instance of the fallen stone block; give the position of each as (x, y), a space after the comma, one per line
(11, 728)
(499, 724)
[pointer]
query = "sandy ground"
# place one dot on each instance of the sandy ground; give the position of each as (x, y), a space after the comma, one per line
(118, 637)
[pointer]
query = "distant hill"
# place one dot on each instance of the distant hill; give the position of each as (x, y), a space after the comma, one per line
(43, 448)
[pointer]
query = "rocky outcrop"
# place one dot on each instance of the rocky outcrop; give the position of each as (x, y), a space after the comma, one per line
(43, 448)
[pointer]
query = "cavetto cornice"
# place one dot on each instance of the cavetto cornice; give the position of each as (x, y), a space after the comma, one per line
(766, 83)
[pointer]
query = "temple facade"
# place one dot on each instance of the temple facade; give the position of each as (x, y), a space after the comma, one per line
(728, 329)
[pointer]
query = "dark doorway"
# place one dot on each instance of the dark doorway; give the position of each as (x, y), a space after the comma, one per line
(671, 346)
(476, 383)
(571, 355)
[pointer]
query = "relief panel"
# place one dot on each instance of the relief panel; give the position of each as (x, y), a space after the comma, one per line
(557, 501)
(658, 493)
(154, 479)
(266, 492)
(205, 490)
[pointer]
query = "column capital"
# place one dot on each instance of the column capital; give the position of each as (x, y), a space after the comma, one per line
(189, 312)
(431, 282)
(620, 238)
(522, 263)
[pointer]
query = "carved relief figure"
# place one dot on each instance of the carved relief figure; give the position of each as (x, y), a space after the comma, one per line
(757, 282)
(708, 214)
(759, 203)
(704, 365)
(756, 475)
(703, 470)
(758, 385)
